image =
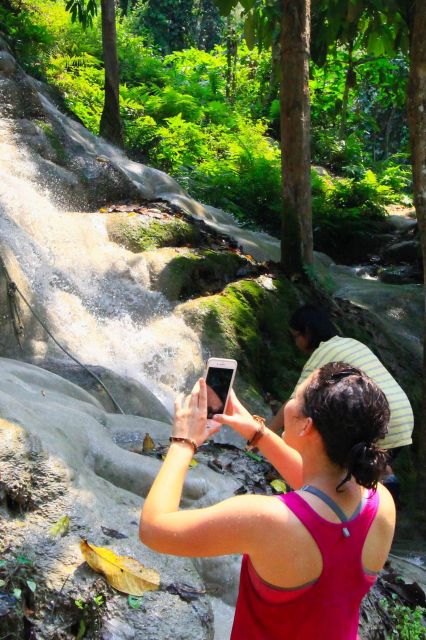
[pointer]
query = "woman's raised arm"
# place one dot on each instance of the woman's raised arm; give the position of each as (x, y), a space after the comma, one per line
(286, 460)
(231, 526)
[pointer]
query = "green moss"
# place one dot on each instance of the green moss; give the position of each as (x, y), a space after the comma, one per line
(250, 323)
(199, 272)
(156, 234)
(54, 140)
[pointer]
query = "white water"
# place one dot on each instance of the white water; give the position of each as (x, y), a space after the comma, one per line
(93, 294)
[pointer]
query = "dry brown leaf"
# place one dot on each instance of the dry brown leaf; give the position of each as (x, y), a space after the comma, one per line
(123, 573)
(148, 443)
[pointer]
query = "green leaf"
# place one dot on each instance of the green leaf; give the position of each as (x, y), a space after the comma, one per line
(134, 602)
(17, 593)
(99, 600)
(3, 563)
(279, 485)
(31, 585)
(375, 45)
(81, 630)
(23, 560)
(253, 456)
(61, 527)
(2, 583)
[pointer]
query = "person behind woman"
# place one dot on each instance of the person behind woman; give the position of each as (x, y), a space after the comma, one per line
(315, 335)
(312, 554)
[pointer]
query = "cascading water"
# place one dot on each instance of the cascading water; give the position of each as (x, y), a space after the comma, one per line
(93, 294)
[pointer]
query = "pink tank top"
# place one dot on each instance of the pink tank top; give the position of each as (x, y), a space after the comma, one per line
(328, 609)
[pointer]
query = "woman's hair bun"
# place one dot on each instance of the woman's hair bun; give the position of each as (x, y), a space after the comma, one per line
(366, 463)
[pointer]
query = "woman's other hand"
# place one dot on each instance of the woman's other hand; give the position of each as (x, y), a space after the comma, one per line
(237, 417)
(191, 415)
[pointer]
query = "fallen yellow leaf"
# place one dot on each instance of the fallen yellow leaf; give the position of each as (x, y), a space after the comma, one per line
(123, 573)
(279, 485)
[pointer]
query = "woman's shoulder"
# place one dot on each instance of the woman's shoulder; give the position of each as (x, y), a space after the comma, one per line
(380, 535)
(268, 511)
(383, 525)
(386, 510)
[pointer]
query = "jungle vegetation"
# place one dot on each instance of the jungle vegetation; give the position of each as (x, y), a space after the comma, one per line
(197, 101)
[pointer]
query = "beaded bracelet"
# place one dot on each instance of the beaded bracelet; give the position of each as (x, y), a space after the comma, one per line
(187, 440)
(251, 444)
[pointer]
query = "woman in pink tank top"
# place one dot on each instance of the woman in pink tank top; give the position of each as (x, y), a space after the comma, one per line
(309, 556)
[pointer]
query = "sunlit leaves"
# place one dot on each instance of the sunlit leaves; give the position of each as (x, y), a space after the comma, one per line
(82, 11)
(279, 485)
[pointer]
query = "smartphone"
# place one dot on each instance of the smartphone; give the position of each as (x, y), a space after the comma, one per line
(220, 375)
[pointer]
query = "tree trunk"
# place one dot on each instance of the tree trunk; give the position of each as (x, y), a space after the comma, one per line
(124, 7)
(388, 132)
(231, 58)
(296, 239)
(348, 84)
(110, 126)
(417, 125)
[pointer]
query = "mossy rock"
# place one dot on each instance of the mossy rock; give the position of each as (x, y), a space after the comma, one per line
(181, 273)
(54, 139)
(140, 233)
(249, 321)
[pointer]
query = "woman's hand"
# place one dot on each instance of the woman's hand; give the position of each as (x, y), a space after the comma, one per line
(191, 415)
(237, 417)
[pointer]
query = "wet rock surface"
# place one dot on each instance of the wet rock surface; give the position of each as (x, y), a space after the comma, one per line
(397, 258)
(59, 458)
(131, 396)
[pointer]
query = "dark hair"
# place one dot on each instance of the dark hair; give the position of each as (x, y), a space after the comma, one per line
(314, 323)
(351, 413)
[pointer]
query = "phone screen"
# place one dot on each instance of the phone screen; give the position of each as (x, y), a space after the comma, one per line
(218, 381)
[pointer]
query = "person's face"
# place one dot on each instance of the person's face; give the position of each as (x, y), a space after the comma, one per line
(301, 341)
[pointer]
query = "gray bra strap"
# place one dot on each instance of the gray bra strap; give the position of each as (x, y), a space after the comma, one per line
(359, 508)
(329, 501)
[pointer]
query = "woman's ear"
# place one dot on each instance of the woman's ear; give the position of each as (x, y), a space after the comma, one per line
(308, 427)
